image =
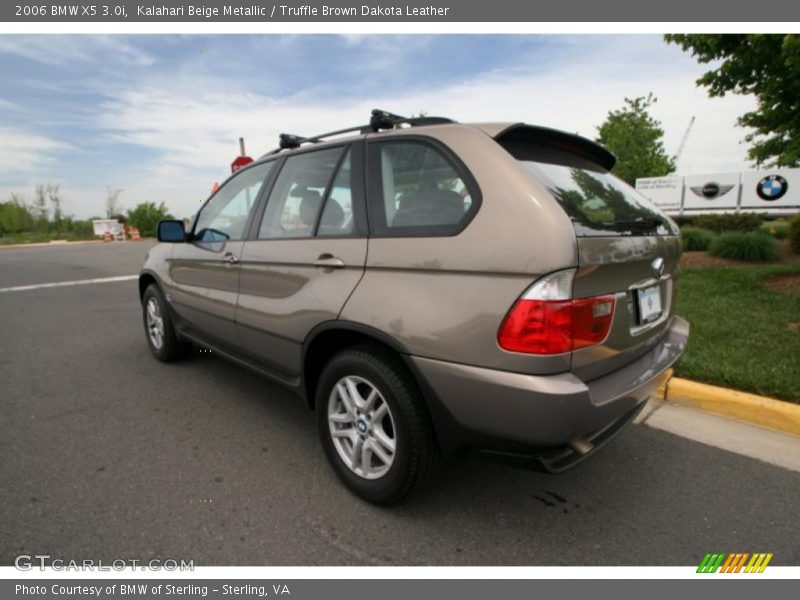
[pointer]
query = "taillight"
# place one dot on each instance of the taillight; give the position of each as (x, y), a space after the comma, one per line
(546, 320)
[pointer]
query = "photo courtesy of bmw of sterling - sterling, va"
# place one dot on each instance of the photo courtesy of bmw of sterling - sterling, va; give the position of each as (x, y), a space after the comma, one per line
(364, 269)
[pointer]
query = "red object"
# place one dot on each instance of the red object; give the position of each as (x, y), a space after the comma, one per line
(556, 326)
(239, 162)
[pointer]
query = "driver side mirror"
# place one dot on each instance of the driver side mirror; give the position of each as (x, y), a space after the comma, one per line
(171, 232)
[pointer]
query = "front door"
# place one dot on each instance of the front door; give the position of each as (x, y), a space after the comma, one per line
(204, 272)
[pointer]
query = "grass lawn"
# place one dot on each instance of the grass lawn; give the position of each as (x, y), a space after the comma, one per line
(743, 335)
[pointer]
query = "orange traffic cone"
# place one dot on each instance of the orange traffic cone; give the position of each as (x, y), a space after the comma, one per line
(107, 236)
(135, 234)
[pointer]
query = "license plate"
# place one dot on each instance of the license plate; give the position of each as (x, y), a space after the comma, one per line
(649, 304)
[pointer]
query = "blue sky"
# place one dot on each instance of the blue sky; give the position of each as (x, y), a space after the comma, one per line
(159, 115)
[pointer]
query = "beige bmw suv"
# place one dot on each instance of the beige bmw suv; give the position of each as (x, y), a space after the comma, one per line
(429, 286)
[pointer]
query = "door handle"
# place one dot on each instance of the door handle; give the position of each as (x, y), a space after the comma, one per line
(230, 258)
(329, 261)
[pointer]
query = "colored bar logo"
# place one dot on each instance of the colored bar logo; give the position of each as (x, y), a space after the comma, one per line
(743, 562)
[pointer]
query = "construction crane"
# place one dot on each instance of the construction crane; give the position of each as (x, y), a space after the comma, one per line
(683, 141)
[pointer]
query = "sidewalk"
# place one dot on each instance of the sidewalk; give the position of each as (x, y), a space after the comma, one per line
(687, 419)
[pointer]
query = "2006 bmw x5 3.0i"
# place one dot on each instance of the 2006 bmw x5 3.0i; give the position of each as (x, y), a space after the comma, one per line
(427, 288)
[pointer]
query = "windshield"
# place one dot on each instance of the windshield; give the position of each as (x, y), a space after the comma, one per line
(598, 203)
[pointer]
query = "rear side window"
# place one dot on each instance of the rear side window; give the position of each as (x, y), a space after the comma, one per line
(301, 189)
(415, 189)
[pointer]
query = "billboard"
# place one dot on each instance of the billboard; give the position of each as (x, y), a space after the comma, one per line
(714, 191)
(664, 192)
(766, 190)
(775, 192)
(112, 226)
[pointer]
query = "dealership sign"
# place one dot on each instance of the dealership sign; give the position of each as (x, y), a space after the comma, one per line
(775, 192)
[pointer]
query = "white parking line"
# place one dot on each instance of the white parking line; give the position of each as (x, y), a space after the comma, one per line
(23, 288)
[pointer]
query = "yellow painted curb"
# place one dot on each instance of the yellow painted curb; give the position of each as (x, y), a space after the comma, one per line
(758, 410)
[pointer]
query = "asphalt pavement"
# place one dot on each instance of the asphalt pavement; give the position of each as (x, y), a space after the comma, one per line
(105, 453)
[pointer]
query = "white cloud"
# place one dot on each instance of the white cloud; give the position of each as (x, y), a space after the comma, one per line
(7, 105)
(192, 120)
(69, 49)
(24, 151)
(195, 124)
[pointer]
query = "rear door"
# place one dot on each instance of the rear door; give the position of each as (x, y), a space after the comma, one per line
(626, 247)
(305, 255)
(204, 272)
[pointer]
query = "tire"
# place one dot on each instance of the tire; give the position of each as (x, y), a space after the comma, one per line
(404, 421)
(162, 338)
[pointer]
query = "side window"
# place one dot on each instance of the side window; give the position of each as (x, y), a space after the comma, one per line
(416, 190)
(297, 197)
(224, 216)
(337, 216)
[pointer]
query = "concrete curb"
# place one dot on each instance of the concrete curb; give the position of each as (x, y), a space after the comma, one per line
(51, 244)
(757, 410)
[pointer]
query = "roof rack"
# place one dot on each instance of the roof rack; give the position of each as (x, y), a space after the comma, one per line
(379, 119)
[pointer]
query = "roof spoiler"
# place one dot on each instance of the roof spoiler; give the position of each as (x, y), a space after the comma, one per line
(520, 133)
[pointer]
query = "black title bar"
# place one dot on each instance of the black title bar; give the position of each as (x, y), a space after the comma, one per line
(49, 11)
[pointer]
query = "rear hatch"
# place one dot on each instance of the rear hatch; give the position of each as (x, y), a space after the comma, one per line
(626, 246)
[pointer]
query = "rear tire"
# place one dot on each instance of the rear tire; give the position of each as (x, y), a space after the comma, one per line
(159, 329)
(373, 425)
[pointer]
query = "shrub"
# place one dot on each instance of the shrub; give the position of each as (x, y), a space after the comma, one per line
(14, 217)
(750, 246)
(779, 229)
(695, 238)
(145, 217)
(731, 222)
(794, 234)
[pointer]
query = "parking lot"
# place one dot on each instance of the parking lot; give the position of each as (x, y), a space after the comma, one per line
(106, 453)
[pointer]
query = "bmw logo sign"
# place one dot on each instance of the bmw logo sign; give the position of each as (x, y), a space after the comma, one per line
(711, 190)
(772, 187)
(362, 426)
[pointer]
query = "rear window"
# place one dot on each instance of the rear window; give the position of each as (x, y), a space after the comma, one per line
(597, 202)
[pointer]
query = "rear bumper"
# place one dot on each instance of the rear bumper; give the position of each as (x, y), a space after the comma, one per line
(548, 411)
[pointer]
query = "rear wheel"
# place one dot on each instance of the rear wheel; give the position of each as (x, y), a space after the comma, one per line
(159, 330)
(373, 425)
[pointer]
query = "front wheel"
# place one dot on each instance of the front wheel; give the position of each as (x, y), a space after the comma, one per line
(373, 425)
(162, 338)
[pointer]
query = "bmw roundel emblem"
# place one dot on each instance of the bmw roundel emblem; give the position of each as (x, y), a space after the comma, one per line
(657, 267)
(772, 187)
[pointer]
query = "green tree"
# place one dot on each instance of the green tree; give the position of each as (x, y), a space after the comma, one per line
(145, 217)
(40, 211)
(14, 216)
(54, 196)
(636, 138)
(766, 66)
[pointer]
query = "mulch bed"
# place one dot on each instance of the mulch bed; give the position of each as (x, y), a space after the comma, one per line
(788, 284)
(703, 260)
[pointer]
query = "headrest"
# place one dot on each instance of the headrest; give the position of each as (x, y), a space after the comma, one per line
(309, 205)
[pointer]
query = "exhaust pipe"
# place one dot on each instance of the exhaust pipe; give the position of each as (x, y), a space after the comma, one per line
(581, 445)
